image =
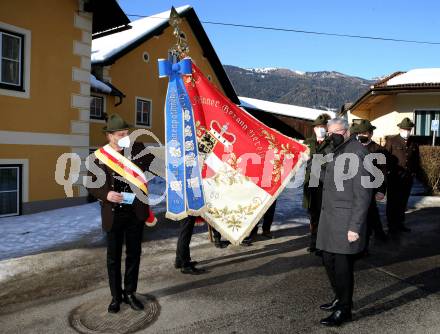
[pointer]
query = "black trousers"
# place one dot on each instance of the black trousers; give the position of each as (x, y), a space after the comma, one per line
(373, 221)
(267, 219)
(125, 226)
(216, 234)
(340, 272)
(183, 255)
(314, 214)
(398, 191)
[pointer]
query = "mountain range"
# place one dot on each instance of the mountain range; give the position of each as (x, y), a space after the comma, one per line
(326, 90)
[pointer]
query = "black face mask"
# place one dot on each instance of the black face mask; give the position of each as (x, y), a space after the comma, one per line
(337, 139)
(363, 139)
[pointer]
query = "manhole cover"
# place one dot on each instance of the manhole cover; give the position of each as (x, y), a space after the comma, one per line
(92, 317)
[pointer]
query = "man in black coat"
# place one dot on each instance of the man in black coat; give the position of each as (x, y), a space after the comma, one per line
(343, 220)
(312, 194)
(402, 167)
(364, 132)
(121, 221)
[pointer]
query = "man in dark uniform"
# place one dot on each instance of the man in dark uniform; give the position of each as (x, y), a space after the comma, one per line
(363, 130)
(318, 144)
(121, 221)
(183, 255)
(343, 220)
(402, 167)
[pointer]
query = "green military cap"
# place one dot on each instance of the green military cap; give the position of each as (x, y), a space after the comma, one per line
(362, 125)
(116, 123)
(321, 119)
(406, 123)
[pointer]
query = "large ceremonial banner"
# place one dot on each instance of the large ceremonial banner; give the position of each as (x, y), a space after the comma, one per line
(245, 163)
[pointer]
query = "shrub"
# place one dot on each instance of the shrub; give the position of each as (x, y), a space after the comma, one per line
(430, 167)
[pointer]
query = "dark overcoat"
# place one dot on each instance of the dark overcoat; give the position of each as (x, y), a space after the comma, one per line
(344, 210)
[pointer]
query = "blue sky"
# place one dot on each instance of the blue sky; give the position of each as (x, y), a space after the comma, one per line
(404, 19)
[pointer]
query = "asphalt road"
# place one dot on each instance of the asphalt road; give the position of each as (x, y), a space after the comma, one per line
(272, 287)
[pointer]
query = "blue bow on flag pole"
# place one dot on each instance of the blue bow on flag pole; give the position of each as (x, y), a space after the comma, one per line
(183, 173)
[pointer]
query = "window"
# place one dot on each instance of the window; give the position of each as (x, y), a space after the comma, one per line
(143, 112)
(11, 60)
(96, 107)
(146, 57)
(10, 194)
(423, 122)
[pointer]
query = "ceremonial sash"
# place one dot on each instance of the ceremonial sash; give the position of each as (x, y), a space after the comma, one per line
(121, 165)
(128, 170)
(183, 172)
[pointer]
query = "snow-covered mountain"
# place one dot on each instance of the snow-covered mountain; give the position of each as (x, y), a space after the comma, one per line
(322, 90)
(266, 70)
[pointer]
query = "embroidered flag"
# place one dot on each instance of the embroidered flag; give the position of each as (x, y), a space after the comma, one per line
(246, 163)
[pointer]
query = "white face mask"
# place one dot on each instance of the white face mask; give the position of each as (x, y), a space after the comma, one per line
(405, 134)
(320, 132)
(124, 142)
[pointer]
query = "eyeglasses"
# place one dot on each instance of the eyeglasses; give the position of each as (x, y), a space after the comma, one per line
(337, 130)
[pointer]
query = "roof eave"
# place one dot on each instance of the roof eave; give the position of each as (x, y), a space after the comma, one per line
(276, 114)
(107, 14)
(202, 37)
(390, 90)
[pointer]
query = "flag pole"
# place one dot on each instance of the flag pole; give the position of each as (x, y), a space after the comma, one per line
(181, 49)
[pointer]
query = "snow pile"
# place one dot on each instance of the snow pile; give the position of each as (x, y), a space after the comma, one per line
(283, 109)
(262, 70)
(80, 226)
(29, 234)
(108, 46)
(73, 227)
(266, 70)
(99, 85)
(416, 76)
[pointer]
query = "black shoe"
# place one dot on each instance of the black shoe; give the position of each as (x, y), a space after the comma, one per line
(179, 265)
(246, 242)
(311, 249)
(192, 270)
(267, 235)
(330, 306)
(134, 303)
(114, 306)
(220, 244)
(337, 318)
(318, 252)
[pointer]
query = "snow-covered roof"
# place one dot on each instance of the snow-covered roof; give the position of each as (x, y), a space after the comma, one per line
(107, 46)
(283, 109)
(99, 85)
(416, 76)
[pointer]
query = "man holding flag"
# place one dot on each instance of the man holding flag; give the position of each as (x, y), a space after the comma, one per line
(123, 214)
